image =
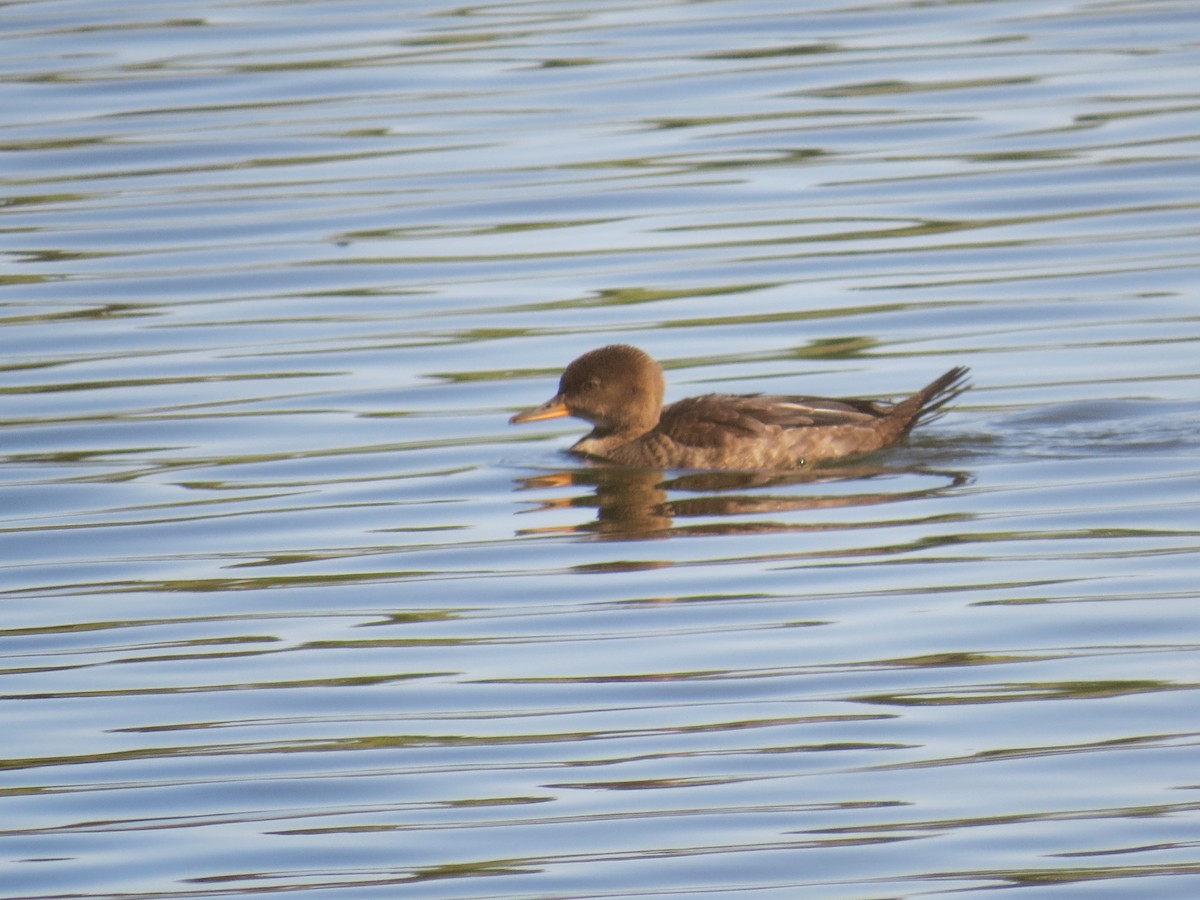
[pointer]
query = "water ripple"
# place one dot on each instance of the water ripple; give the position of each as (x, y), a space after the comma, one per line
(287, 604)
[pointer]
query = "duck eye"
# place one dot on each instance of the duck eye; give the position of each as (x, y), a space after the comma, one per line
(591, 384)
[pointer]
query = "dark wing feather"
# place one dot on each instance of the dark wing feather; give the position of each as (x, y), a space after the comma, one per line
(716, 420)
(827, 411)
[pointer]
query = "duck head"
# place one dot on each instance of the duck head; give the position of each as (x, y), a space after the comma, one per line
(618, 388)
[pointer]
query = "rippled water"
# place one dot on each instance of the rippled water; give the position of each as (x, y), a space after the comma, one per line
(287, 607)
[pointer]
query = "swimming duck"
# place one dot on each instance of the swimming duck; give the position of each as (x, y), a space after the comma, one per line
(619, 389)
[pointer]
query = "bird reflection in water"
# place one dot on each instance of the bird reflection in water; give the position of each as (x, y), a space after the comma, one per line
(647, 503)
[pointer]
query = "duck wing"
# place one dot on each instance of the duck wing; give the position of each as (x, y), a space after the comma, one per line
(715, 420)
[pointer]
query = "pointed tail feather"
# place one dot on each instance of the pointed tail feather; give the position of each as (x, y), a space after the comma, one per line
(932, 399)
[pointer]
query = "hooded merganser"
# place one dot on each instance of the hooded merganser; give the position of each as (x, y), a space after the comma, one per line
(619, 389)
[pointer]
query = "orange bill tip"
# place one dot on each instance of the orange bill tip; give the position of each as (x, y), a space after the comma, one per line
(552, 409)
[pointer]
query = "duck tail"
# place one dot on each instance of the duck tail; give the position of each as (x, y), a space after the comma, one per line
(930, 402)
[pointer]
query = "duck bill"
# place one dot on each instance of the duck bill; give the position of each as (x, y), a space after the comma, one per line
(553, 408)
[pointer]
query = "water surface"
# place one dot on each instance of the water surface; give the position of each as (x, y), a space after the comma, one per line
(287, 607)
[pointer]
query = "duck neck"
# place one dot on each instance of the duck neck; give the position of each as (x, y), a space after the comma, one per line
(603, 440)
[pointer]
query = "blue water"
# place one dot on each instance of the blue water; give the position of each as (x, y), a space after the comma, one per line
(286, 606)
